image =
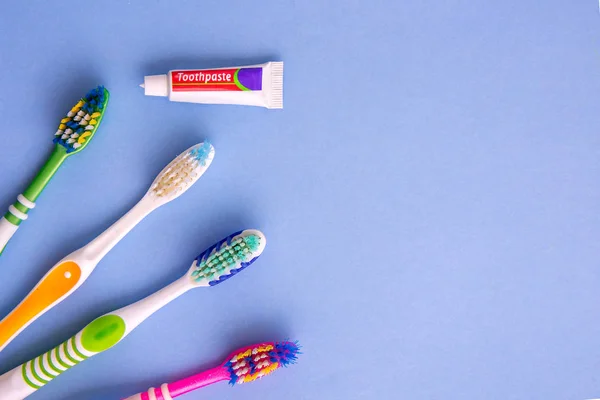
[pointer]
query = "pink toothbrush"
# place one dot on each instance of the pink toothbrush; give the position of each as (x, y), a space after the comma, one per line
(244, 365)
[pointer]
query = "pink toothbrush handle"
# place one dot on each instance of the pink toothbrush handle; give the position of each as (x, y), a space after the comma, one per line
(183, 386)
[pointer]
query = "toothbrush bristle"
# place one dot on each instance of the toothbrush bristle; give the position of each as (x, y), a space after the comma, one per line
(202, 153)
(228, 257)
(254, 362)
(79, 125)
(183, 171)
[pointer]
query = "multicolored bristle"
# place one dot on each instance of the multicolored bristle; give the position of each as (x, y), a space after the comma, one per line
(79, 126)
(228, 257)
(254, 362)
(183, 171)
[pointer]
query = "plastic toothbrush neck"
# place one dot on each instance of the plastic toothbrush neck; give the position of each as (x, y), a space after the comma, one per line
(108, 239)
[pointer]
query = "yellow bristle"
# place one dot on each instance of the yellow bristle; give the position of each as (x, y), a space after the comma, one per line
(65, 120)
(93, 122)
(261, 373)
(247, 353)
(96, 115)
(62, 127)
(83, 137)
(80, 104)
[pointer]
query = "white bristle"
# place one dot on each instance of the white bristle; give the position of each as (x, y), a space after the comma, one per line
(64, 136)
(71, 141)
(76, 145)
(77, 118)
(70, 114)
(89, 127)
(75, 135)
(240, 364)
(87, 117)
(181, 173)
(58, 133)
(81, 113)
(68, 131)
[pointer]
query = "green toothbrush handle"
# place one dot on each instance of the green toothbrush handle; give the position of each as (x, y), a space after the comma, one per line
(17, 212)
(99, 335)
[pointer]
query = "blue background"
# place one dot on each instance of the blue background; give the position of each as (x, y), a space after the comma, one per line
(430, 193)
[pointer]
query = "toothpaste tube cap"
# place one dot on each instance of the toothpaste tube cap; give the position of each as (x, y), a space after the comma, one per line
(156, 85)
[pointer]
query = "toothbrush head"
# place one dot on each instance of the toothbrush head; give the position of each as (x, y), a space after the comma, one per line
(227, 257)
(182, 172)
(254, 362)
(81, 123)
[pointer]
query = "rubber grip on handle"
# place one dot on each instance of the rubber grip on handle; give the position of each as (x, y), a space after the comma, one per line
(58, 282)
(27, 378)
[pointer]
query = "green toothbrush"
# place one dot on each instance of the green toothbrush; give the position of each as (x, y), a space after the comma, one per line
(74, 133)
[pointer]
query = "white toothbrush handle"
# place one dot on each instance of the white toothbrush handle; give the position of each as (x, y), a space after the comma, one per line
(7, 230)
(100, 246)
(12, 385)
(136, 313)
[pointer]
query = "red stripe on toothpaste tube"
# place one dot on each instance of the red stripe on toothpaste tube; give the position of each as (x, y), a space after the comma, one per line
(254, 85)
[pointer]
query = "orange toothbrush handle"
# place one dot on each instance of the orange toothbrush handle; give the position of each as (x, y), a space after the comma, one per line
(61, 279)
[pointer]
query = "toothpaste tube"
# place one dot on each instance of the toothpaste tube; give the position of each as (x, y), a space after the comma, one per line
(255, 85)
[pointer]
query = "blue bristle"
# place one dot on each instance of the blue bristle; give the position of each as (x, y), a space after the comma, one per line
(202, 153)
(288, 352)
(221, 279)
(96, 92)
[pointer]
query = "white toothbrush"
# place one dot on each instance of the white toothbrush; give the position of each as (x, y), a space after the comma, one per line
(70, 273)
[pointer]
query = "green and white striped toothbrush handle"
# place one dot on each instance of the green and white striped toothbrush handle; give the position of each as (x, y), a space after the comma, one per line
(99, 335)
(17, 212)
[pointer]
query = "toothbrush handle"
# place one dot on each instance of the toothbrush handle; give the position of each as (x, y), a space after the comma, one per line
(108, 239)
(66, 276)
(62, 280)
(17, 212)
(183, 386)
(98, 336)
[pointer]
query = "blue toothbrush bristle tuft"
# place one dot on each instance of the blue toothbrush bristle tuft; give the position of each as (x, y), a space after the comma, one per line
(202, 153)
(287, 352)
